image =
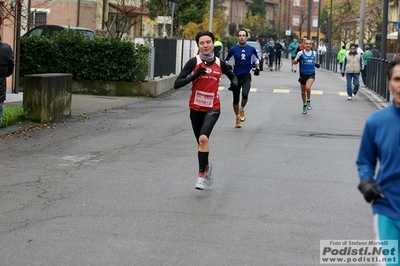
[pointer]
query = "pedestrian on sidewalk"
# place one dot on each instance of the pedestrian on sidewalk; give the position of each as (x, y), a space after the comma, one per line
(353, 64)
(217, 47)
(375, 51)
(293, 52)
(204, 101)
(321, 52)
(380, 145)
(241, 57)
(278, 54)
(308, 62)
(271, 55)
(366, 56)
(340, 56)
(6, 70)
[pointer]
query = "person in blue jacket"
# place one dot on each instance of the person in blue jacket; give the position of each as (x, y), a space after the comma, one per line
(380, 145)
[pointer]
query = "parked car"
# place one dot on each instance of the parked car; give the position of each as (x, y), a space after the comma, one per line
(48, 31)
(258, 47)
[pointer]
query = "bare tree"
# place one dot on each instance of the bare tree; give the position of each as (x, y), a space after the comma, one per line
(303, 17)
(123, 15)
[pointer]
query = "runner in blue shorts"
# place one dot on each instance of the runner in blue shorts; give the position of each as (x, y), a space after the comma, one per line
(308, 62)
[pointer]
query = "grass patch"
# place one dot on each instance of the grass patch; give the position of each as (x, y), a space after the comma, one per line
(11, 114)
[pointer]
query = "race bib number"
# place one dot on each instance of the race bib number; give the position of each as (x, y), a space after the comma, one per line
(204, 99)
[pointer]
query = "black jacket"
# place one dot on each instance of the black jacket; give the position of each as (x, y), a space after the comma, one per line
(6, 67)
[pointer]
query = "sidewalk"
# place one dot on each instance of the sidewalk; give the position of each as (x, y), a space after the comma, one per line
(81, 105)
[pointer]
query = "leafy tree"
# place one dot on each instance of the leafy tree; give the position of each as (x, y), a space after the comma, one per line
(218, 26)
(191, 29)
(185, 11)
(258, 7)
(255, 23)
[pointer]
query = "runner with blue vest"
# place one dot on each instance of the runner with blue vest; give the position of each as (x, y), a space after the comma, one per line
(308, 62)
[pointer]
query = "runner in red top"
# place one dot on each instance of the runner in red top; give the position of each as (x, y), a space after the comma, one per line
(204, 100)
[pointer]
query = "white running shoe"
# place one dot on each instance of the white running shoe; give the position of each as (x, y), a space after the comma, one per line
(355, 96)
(208, 176)
(309, 107)
(200, 183)
(349, 98)
(304, 109)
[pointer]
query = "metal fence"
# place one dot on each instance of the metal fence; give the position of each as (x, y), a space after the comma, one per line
(376, 76)
(168, 56)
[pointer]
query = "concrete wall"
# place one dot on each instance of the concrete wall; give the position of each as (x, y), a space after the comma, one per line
(47, 97)
(152, 88)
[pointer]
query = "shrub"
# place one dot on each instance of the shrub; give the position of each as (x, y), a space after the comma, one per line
(105, 59)
(11, 113)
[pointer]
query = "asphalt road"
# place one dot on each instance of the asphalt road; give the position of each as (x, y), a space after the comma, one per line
(117, 187)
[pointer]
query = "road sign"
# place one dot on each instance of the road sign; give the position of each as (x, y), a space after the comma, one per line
(288, 33)
(164, 19)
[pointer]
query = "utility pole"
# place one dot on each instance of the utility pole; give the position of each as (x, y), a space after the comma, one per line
(279, 20)
(18, 10)
(362, 23)
(330, 29)
(309, 19)
(319, 22)
(288, 32)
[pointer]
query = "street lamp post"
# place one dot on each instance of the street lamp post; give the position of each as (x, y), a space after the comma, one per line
(279, 20)
(288, 32)
(329, 34)
(319, 22)
(211, 15)
(309, 19)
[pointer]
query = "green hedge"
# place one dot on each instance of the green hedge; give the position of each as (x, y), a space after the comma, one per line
(104, 59)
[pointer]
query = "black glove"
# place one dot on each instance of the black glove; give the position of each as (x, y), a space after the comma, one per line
(317, 65)
(256, 72)
(199, 71)
(342, 74)
(370, 190)
(361, 71)
(230, 67)
(233, 86)
(300, 59)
